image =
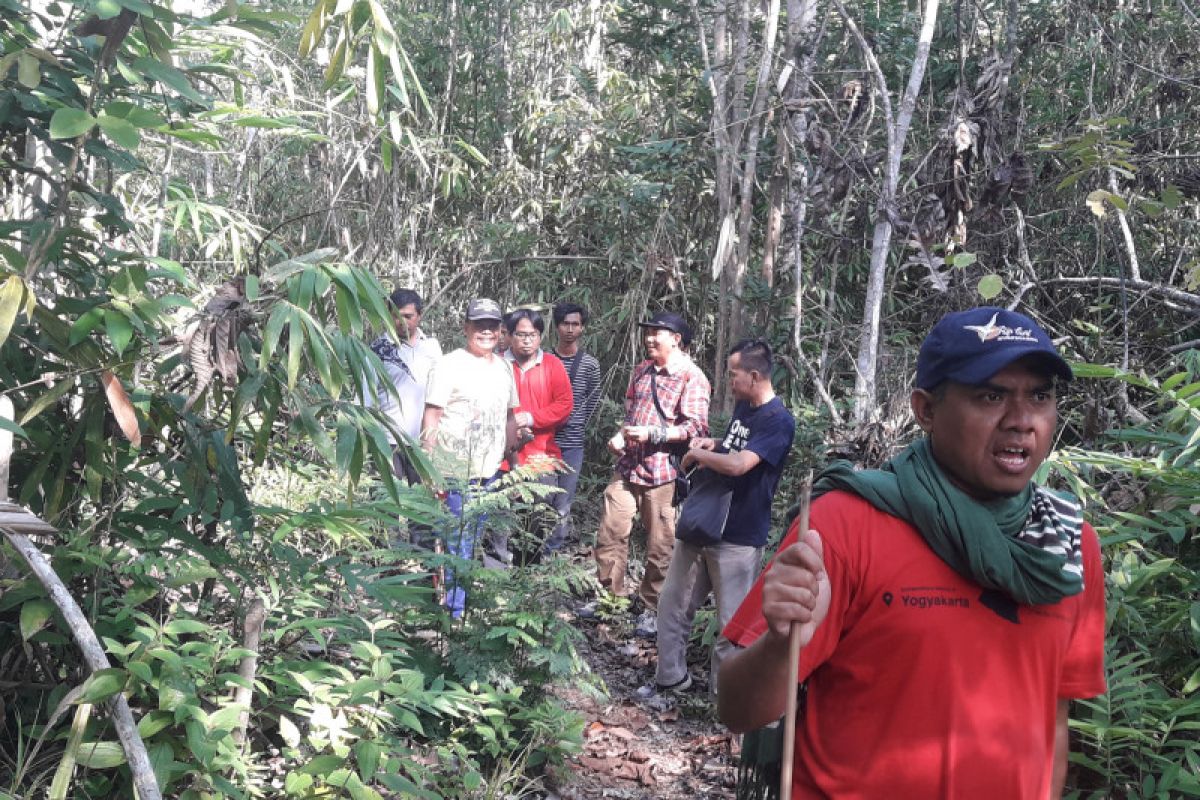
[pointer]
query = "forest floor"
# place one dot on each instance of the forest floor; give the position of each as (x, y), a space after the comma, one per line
(668, 747)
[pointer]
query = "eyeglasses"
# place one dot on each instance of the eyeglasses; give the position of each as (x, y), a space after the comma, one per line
(525, 335)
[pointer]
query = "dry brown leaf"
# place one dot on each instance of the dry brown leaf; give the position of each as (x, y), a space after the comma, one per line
(122, 408)
(605, 765)
(622, 733)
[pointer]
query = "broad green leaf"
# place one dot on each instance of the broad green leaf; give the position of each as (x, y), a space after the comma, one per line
(168, 76)
(119, 330)
(154, 722)
(138, 6)
(67, 123)
(135, 115)
(35, 614)
(102, 684)
(29, 72)
(82, 328)
(1171, 198)
(107, 9)
(226, 718)
(322, 766)
(179, 627)
(6, 63)
(962, 260)
(100, 755)
(11, 295)
(289, 732)
(990, 286)
(120, 131)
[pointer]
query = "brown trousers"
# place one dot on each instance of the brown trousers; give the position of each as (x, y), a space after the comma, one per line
(622, 501)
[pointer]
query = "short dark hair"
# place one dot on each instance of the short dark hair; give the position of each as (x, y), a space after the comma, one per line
(562, 310)
(403, 297)
(755, 356)
(514, 317)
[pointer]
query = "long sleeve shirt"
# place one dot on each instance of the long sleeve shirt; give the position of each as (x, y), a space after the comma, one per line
(545, 392)
(683, 393)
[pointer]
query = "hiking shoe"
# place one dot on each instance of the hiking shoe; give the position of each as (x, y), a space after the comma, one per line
(646, 625)
(652, 690)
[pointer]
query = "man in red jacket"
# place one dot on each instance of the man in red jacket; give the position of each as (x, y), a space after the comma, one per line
(544, 389)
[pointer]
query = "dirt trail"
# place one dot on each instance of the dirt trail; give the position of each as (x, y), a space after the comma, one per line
(666, 748)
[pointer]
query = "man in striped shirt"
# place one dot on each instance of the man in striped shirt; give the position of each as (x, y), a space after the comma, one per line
(584, 372)
(666, 406)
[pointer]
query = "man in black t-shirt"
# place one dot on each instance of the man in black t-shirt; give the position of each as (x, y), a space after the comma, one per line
(751, 457)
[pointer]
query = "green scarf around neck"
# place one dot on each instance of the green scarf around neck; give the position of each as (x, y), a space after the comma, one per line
(980, 541)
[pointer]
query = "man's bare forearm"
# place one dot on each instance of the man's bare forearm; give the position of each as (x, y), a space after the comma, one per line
(754, 685)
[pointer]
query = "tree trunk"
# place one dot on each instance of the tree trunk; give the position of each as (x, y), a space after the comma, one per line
(897, 131)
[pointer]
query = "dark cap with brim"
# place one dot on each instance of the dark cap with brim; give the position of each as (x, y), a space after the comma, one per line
(669, 320)
(483, 308)
(971, 346)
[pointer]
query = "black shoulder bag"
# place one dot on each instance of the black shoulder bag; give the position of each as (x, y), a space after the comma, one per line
(704, 514)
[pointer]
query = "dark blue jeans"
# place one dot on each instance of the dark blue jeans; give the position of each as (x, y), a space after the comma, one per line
(462, 536)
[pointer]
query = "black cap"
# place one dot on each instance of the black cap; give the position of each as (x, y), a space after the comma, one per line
(670, 321)
(483, 308)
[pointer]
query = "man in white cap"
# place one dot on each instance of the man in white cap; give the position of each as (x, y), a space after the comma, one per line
(469, 424)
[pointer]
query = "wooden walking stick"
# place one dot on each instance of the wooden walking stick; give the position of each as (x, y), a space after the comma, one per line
(789, 717)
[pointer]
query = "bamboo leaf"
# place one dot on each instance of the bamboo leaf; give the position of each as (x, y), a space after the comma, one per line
(13, 428)
(66, 765)
(337, 62)
(375, 63)
(11, 295)
(39, 405)
(295, 348)
(314, 28)
(168, 76)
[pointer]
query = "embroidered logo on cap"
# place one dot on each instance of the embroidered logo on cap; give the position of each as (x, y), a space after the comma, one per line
(1002, 333)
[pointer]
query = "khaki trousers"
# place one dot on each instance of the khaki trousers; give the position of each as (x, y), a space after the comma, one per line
(622, 501)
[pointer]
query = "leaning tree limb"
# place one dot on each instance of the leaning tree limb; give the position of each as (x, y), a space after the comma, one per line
(15, 523)
(14, 520)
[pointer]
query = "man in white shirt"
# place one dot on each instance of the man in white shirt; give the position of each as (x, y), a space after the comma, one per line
(468, 426)
(408, 365)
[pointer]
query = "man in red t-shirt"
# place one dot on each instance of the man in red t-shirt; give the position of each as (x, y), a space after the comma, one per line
(949, 609)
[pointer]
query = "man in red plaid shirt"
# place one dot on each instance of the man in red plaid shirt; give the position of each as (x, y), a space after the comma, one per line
(648, 447)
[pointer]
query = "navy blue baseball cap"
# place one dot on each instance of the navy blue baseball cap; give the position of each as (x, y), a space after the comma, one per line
(971, 346)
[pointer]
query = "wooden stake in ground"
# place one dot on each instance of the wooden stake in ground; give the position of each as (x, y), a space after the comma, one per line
(789, 717)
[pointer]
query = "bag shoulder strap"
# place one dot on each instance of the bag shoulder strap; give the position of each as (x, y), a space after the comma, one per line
(654, 393)
(579, 354)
